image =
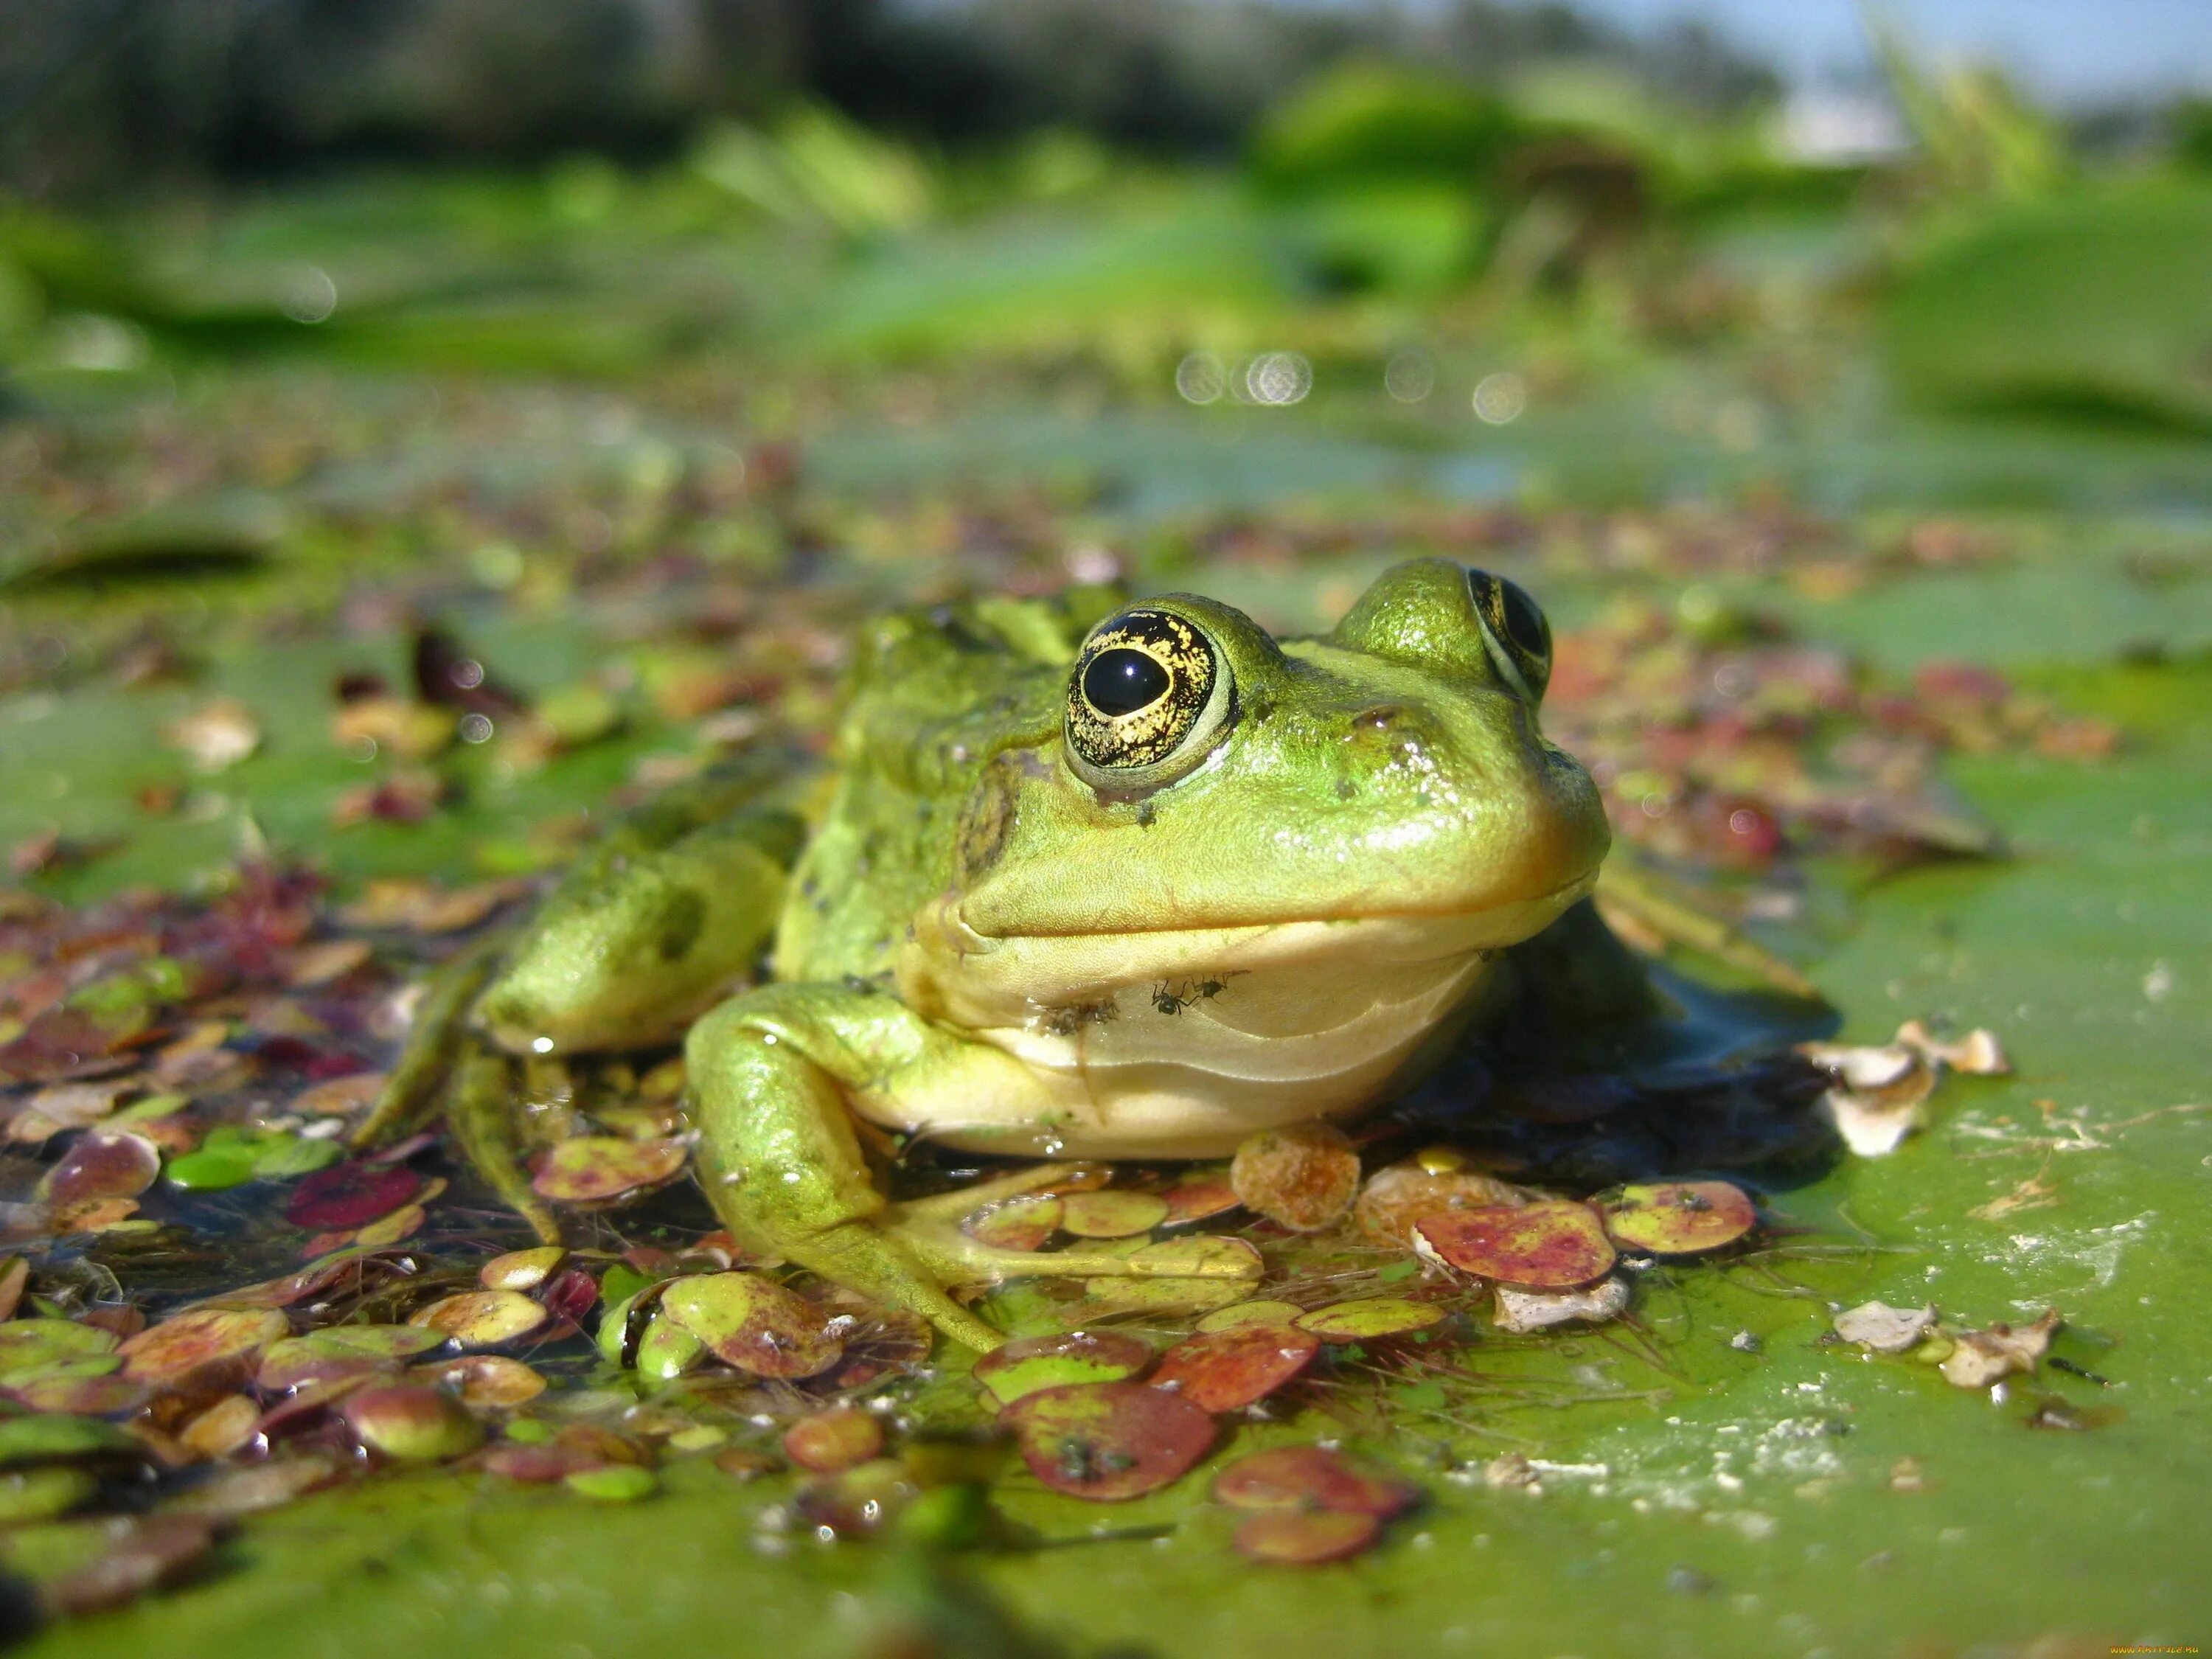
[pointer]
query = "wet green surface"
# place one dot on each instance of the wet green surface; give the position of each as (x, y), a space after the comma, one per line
(1698, 1496)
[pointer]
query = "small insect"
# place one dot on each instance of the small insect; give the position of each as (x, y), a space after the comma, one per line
(1189, 994)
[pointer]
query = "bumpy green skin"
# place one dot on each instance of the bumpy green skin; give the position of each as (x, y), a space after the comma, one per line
(980, 936)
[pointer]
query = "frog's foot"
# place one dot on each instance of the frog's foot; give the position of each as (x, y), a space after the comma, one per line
(774, 1074)
(935, 1240)
(448, 1067)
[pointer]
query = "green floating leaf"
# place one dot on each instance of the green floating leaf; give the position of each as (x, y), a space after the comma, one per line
(39, 1437)
(1679, 1218)
(412, 1424)
(618, 1483)
(1036, 1363)
(1370, 1319)
(1111, 1214)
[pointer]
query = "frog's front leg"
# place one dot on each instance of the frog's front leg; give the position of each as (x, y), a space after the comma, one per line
(774, 1075)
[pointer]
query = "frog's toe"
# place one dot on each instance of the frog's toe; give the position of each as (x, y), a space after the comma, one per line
(961, 1203)
(861, 1257)
(957, 1259)
(481, 1102)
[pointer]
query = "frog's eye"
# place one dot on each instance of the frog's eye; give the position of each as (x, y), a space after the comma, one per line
(1514, 629)
(1148, 689)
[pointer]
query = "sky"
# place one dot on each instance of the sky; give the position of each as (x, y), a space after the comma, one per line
(2075, 50)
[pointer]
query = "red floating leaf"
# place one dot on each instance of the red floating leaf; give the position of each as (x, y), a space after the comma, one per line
(103, 1165)
(1554, 1245)
(1679, 1218)
(570, 1294)
(1312, 1478)
(754, 1324)
(1200, 1200)
(1227, 1370)
(1109, 1441)
(183, 1343)
(1017, 1223)
(350, 1196)
(1305, 1538)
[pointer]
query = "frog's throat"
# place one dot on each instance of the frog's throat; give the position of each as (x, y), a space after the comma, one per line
(1180, 1044)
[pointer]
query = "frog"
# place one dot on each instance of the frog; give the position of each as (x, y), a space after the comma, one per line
(1084, 878)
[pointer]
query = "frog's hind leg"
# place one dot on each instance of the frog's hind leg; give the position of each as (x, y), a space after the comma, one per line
(774, 1075)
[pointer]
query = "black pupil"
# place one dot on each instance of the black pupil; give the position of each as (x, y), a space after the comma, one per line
(1523, 620)
(1122, 680)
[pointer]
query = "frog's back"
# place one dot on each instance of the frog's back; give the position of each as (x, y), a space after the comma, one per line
(934, 696)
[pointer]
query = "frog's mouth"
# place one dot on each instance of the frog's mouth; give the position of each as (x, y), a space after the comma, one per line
(980, 977)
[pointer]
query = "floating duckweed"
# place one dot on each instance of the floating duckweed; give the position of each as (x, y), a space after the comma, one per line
(1227, 1370)
(1036, 1363)
(1679, 1218)
(1370, 1319)
(520, 1270)
(1109, 1441)
(1554, 1244)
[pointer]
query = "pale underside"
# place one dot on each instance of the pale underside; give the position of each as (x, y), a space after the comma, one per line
(1180, 1044)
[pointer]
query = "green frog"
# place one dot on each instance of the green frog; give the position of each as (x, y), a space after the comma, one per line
(1084, 879)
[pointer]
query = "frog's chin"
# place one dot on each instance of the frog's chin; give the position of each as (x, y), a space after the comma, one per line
(951, 972)
(1179, 1044)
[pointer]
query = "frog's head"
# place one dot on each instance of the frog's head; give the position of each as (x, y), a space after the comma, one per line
(1210, 783)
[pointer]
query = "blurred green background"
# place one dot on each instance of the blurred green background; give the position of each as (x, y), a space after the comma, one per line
(596, 329)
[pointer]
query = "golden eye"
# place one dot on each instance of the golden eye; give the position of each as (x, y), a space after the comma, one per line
(1514, 629)
(1145, 683)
